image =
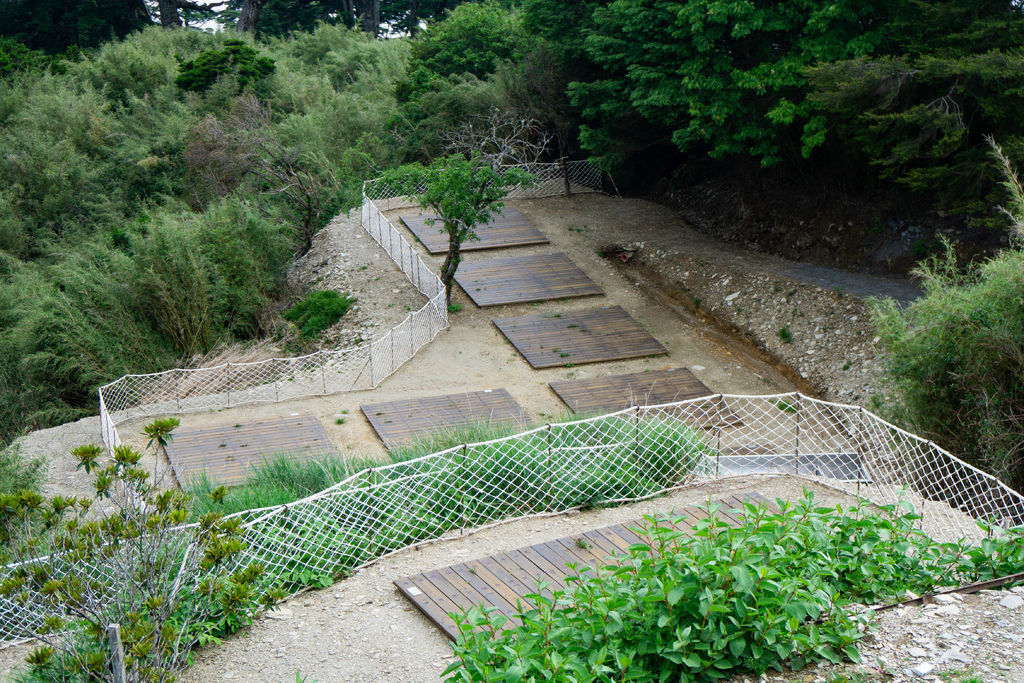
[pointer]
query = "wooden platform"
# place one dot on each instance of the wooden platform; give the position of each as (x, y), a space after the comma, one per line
(503, 580)
(616, 392)
(511, 229)
(400, 422)
(228, 454)
(576, 337)
(519, 279)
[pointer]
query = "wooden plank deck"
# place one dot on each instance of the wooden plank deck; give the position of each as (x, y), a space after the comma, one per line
(576, 337)
(519, 279)
(228, 454)
(616, 392)
(504, 579)
(399, 422)
(511, 229)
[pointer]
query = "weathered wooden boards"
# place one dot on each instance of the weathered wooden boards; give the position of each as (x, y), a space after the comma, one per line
(519, 279)
(615, 392)
(511, 229)
(399, 422)
(228, 454)
(575, 337)
(503, 580)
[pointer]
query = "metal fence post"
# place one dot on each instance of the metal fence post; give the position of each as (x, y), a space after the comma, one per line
(551, 469)
(323, 370)
(117, 671)
(796, 447)
(227, 371)
(462, 492)
(372, 384)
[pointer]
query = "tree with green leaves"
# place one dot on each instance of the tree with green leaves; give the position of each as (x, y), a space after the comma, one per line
(462, 193)
(166, 586)
(727, 78)
(236, 58)
(473, 38)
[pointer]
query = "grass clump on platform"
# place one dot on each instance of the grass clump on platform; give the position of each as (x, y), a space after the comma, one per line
(382, 509)
(277, 480)
(772, 593)
(317, 311)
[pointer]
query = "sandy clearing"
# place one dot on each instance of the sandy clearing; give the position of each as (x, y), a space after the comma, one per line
(472, 355)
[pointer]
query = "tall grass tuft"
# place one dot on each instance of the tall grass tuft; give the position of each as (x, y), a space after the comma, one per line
(579, 464)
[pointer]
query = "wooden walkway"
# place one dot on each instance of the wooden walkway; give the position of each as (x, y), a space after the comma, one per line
(508, 230)
(616, 392)
(228, 454)
(400, 422)
(576, 337)
(503, 580)
(519, 279)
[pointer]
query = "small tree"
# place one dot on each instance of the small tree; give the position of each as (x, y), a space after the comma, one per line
(463, 193)
(124, 559)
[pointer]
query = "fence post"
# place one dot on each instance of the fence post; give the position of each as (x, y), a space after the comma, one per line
(718, 440)
(796, 447)
(636, 433)
(861, 470)
(117, 671)
(462, 493)
(323, 370)
(371, 365)
(227, 370)
(551, 482)
(565, 176)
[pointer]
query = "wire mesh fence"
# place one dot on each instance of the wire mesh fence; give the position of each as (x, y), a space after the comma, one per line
(327, 371)
(625, 456)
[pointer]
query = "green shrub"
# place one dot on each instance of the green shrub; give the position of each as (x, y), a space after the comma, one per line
(956, 355)
(317, 311)
(18, 472)
(14, 56)
(721, 600)
(117, 254)
(235, 58)
(167, 587)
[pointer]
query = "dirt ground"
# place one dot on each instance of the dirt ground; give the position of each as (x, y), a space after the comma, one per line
(472, 355)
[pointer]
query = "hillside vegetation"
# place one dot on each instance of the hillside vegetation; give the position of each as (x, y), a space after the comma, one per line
(150, 209)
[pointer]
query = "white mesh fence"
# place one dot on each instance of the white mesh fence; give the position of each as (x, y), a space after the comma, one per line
(329, 371)
(625, 456)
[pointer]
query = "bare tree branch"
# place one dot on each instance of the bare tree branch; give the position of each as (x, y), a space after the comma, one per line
(501, 137)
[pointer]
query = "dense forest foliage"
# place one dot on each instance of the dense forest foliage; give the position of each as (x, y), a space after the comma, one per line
(140, 218)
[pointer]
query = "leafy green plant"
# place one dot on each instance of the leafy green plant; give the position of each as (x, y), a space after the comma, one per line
(317, 311)
(771, 593)
(785, 335)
